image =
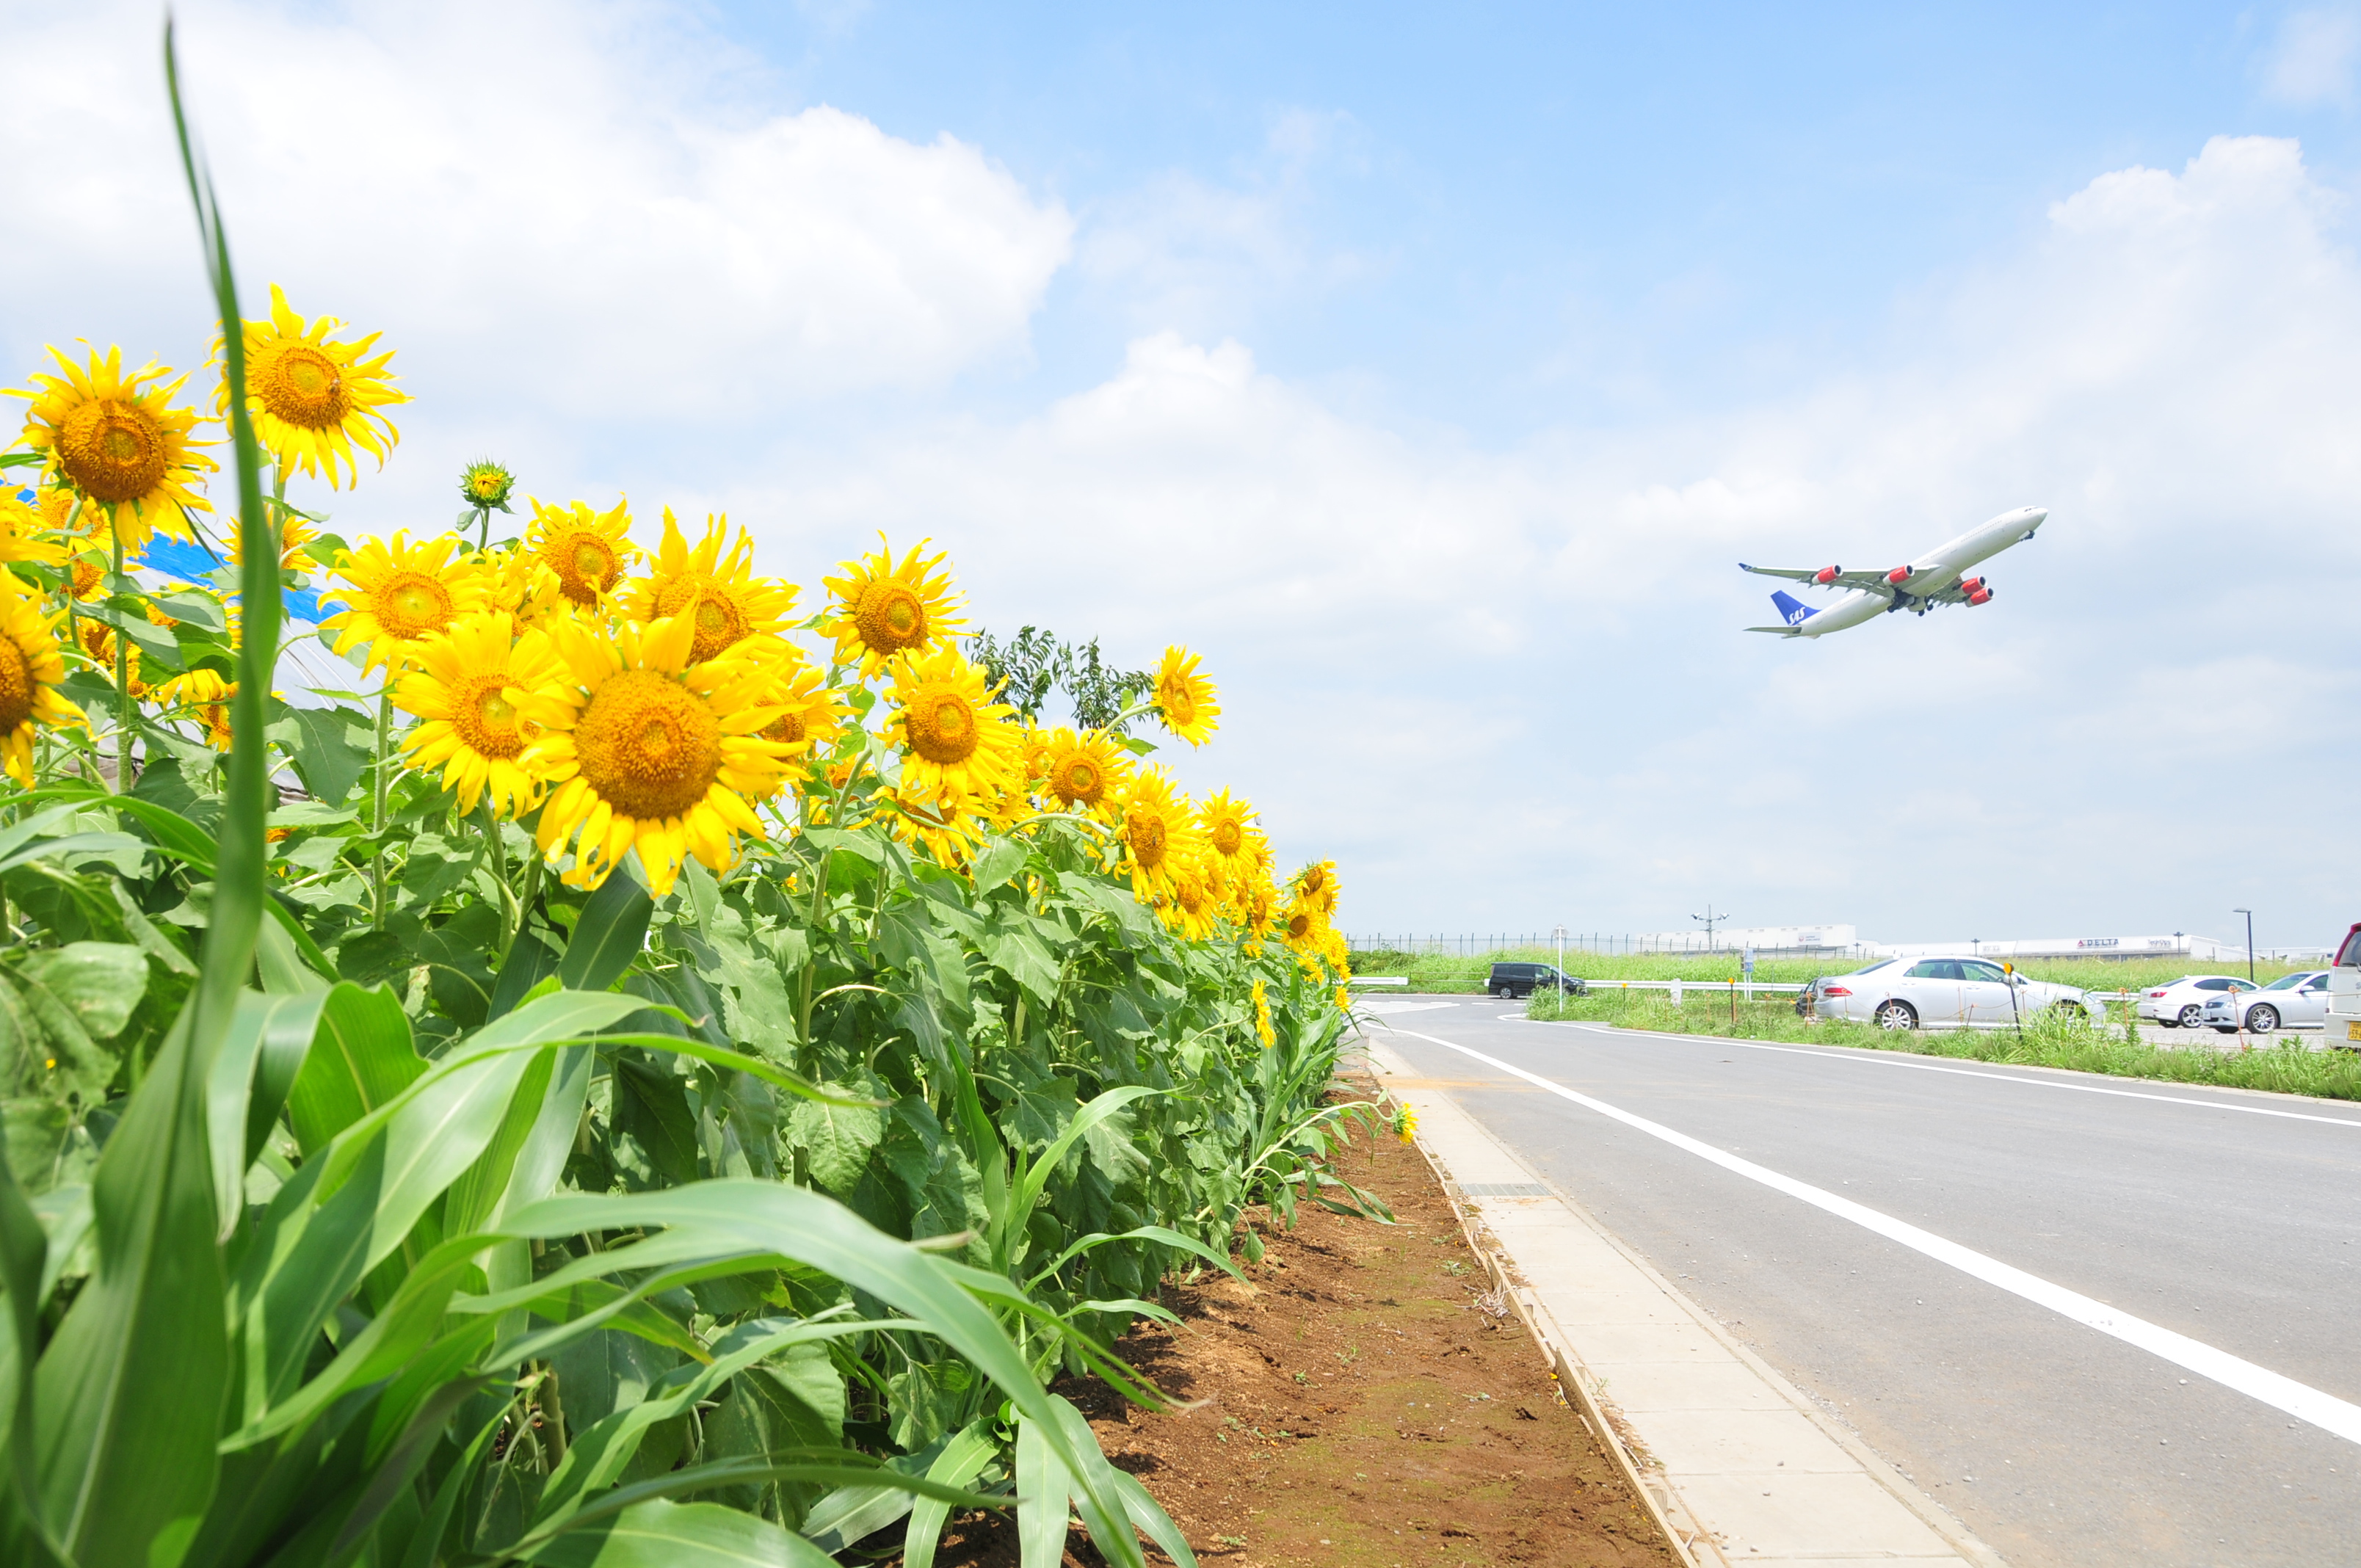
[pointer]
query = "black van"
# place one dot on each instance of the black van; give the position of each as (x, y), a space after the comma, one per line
(1523, 979)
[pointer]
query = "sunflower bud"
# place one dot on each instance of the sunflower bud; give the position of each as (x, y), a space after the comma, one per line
(485, 485)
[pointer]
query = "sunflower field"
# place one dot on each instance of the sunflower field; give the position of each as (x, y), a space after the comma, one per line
(639, 1063)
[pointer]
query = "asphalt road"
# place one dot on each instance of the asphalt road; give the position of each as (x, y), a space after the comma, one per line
(2055, 1442)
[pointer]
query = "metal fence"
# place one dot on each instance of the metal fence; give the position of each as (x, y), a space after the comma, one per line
(1605, 943)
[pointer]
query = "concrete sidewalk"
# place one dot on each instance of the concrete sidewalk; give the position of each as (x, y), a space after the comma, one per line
(1737, 1464)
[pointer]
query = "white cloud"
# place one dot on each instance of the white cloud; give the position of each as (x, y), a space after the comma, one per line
(2311, 60)
(591, 206)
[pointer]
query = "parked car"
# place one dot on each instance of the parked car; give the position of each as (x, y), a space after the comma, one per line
(2343, 1024)
(2290, 1002)
(1523, 979)
(2180, 1003)
(1944, 992)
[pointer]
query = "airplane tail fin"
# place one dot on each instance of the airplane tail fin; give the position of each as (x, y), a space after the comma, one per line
(1792, 610)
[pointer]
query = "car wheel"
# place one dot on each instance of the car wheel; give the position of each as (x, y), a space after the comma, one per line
(2225, 1028)
(2262, 1018)
(1896, 1014)
(2190, 1015)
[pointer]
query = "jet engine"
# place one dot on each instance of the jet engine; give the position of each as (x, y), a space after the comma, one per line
(1828, 574)
(1980, 595)
(1970, 585)
(1899, 576)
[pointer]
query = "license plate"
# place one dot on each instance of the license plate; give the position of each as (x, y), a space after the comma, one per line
(2352, 1031)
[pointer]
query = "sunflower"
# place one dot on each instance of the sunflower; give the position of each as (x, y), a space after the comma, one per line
(1083, 772)
(314, 399)
(58, 515)
(401, 594)
(20, 528)
(883, 610)
(648, 752)
(1159, 833)
(958, 751)
(729, 602)
(1263, 1031)
(810, 712)
(120, 443)
(293, 535)
(206, 697)
(1229, 826)
(31, 665)
(1191, 909)
(949, 836)
(1315, 884)
(98, 645)
(467, 685)
(484, 485)
(1184, 700)
(89, 575)
(586, 549)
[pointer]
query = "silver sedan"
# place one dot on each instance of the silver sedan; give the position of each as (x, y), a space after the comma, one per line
(2290, 1002)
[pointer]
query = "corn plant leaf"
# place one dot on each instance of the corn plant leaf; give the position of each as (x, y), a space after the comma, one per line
(1044, 1487)
(129, 1391)
(815, 1230)
(963, 1459)
(265, 1029)
(361, 1060)
(611, 932)
(662, 1534)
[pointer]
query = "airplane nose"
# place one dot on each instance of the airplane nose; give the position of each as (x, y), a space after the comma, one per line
(2036, 516)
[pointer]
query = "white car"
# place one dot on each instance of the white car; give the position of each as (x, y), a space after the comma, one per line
(1943, 992)
(2290, 1002)
(2180, 1003)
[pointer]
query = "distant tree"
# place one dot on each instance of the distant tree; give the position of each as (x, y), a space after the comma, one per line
(1035, 663)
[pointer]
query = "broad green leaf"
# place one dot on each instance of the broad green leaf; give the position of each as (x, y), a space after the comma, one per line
(101, 982)
(1044, 1487)
(321, 742)
(836, 1139)
(1000, 860)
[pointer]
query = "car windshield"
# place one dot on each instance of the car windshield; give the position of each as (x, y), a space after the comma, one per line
(1873, 969)
(2288, 982)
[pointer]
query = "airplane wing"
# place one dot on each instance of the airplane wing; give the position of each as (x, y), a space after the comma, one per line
(1778, 631)
(1874, 581)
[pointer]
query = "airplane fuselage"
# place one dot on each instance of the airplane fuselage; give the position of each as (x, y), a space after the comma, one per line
(1940, 568)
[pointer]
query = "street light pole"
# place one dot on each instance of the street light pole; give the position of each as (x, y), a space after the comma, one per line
(1559, 932)
(2250, 940)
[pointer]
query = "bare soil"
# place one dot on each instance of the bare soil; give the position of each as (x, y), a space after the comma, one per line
(1359, 1400)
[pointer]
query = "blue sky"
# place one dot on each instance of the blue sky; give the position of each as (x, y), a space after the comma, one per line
(1426, 371)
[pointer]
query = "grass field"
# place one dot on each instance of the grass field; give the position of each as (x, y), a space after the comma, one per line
(1447, 972)
(2287, 1066)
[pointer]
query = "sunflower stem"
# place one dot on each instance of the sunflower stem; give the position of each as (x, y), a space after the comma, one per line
(123, 703)
(380, 786)
(511, 911)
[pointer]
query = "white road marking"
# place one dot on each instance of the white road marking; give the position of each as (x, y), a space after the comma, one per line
(2300, 1401)
(1856, 1054)
(1385, 1007)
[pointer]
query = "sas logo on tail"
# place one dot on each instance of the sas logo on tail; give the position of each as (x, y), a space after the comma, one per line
(1794, 612)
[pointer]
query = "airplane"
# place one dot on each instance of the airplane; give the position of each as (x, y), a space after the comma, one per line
(1939, 576)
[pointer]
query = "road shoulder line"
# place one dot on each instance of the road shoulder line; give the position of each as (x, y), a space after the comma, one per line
(1740, 1465)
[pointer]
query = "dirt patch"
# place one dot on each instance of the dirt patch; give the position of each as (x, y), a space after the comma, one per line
(1356, 1403)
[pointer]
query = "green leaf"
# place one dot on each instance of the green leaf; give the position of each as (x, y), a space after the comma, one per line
(836, 1139)
(130, 1390)
(361, 1060)
(99, 982)
(661, 1534)
(610, 934)
(963, 1459)
(1044, 1485)
(1001, 859)
(275, 1030)
(320, 743)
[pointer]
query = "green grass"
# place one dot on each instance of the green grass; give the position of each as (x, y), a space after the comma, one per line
(2287, 1066)
(1447, 973)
